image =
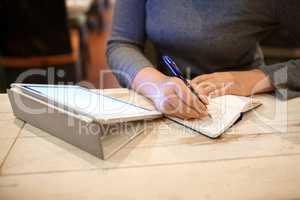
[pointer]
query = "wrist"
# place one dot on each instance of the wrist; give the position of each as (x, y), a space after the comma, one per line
(147, 81)
(264, 83)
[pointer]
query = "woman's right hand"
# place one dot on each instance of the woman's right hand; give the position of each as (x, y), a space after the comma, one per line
(169, 94)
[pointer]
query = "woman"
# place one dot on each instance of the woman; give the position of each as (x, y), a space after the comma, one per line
(217, 41)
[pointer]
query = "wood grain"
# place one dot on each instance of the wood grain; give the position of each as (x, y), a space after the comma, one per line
(258, 158)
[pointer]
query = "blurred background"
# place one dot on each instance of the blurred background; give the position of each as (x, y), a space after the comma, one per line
(64, 41)
(59, 41)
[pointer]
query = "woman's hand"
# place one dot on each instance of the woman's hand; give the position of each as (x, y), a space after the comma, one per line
(170, 95)
(242, 83)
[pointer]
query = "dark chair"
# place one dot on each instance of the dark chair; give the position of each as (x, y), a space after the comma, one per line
(36, 35)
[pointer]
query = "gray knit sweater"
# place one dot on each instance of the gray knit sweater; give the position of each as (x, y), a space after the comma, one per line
(204, 36)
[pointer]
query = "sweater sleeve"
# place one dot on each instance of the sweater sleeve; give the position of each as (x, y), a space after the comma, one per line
(126, 45)
(286, 76)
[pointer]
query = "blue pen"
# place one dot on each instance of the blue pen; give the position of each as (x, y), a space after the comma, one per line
(177, 73)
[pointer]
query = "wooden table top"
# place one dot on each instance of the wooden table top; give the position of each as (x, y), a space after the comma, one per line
(258, 158)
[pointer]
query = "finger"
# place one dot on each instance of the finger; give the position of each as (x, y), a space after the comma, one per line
(177, 108)
(227, 88)
(205, 87)
(203, 98)
(202, 78)
(183, 110)
(209, 87)
(209, 90)
(177, 111)
(179, 115)
(173, 106)
(186, 95)
(190, 99)
(193, 114)
(169, 104)
(222, 89)
(167, 108)
(215, 93)
(200, 94)
(199, 89)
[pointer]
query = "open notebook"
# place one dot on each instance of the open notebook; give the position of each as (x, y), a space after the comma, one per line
(225, 111)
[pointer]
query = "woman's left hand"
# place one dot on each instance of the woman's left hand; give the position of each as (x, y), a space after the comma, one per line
(242, 83)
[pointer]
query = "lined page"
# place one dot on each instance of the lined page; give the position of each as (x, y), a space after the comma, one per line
(225, 110)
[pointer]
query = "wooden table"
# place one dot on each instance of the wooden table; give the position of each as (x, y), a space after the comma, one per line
(259, 158)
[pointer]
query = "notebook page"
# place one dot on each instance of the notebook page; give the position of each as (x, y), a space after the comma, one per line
(225, 110)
